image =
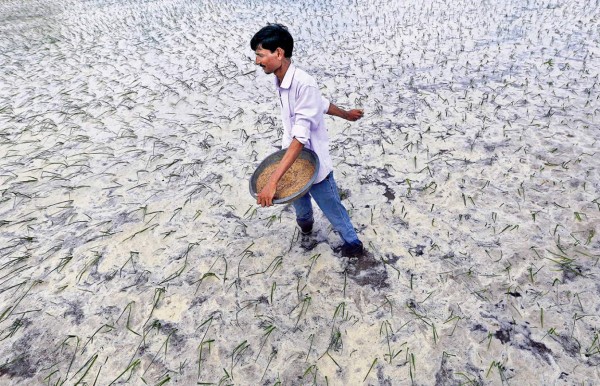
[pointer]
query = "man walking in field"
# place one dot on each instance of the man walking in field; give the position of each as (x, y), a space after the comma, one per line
(302, 111)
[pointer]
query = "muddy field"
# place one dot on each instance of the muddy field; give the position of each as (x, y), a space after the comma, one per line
(131, 251)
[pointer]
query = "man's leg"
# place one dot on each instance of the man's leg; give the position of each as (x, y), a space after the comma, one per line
(327, 197)
(304, 213)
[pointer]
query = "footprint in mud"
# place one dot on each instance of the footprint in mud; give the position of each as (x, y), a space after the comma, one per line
(308, 242)
(367, 270)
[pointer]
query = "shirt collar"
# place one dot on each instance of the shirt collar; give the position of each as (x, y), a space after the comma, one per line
(287, 78)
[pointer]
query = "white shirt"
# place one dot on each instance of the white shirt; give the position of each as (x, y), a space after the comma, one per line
(302, 113)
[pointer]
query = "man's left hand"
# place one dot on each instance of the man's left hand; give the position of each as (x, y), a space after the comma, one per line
(354, 115)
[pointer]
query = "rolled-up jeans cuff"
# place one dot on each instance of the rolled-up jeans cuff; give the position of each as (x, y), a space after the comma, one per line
(353, 243)
(303, 223)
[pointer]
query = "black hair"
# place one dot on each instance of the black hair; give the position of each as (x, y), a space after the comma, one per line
(273, 36)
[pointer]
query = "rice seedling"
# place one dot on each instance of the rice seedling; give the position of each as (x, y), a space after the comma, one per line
(158, 295)
(130, 368)
(313, 259)
(386, 327)
(594, 347)
(165, 345)
(388, 263)
(370, 368)
(303, 308)
(87, 365)
(268, 331)
(312, 372)
(275, 264)
(93, 262)
(451, 318)
(471, 380)
(107, 328)
(501, 370)
(183, 267)
(236, 355)
(204, 342)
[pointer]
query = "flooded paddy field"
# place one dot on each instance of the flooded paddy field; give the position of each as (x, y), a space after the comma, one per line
(132, 253)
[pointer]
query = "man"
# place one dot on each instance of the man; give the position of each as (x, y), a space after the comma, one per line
(302, 109)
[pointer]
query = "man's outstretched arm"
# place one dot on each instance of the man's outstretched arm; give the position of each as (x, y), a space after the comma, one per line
(350, 115)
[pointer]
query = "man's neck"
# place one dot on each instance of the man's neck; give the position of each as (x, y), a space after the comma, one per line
(281, 71)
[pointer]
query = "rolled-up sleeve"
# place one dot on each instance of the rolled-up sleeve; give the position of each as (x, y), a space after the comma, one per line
(325, 103)
(309, 105)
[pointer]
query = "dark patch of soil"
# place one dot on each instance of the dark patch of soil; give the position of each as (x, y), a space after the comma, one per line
(419, 250)
(75, 311)
(20, 367)
(478, 327)
(308, 243)
(569, 344)
(520, 337)
(366, 270)
(383, 380)
(570, 273)
(445, 375)
(503, 335)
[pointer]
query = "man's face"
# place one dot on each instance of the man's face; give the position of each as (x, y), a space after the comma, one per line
(269, 61)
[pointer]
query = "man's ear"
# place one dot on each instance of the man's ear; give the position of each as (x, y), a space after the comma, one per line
(280, 52)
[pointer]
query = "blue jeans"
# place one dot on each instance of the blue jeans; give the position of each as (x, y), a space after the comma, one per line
(326, 195)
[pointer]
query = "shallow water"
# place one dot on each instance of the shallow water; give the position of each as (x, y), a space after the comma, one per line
(131, 251)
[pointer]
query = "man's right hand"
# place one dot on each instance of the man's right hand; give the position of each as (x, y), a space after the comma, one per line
(265, 197)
